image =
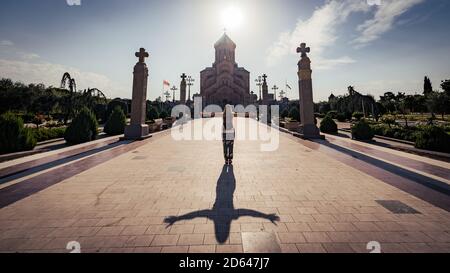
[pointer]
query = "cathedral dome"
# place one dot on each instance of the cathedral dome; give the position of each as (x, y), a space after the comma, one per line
(225, 41)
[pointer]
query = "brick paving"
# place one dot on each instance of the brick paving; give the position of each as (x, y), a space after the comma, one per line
(322, 204)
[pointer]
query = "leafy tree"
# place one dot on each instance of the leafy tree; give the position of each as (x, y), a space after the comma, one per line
(438, 103)
(445, 85)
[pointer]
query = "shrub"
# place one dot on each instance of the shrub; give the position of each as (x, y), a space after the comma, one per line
(163, 114)
(14, 137)
(333, 114)
(116, 122)
(83, 128)
(433, 138)
(388, 120)
(152, 113)
(319, 115)
(44, 134)
(294, 114)
(341, 117)
(113, 104)
(285, 114)
(362, 131)
(358, 115)
(328, 125)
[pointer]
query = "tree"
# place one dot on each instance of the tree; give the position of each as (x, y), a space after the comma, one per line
(445, 85)
(427, 86)
(438, 103)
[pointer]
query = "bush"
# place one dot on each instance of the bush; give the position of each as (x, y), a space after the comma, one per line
(14, 137)
(319, 115)
(362, 131)
(328, 125)
(285, 114)
(116, 122)
(83, 128)
(433, 138)
(388, 120)
(294, 114)
(358, 116)
(333, 114)
(152, 113)
(113, 104)
(163, 114)
(341, 117)
(44, 134)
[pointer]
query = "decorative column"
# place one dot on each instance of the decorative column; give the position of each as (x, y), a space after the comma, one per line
(138, 130)
(265, 90)
(308, 128)
(183, 89)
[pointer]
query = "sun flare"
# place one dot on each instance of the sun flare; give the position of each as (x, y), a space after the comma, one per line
(232, 17)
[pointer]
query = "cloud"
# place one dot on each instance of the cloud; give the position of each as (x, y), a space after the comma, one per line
(383, 20)
(320, 31)
(6, 43)
(51, 74)
(30, 56)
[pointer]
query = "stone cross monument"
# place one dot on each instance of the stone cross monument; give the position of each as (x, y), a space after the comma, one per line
(137, 129)
(183, 89)
(308, 128)
(265, 90)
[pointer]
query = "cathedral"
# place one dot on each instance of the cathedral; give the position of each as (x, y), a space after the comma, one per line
(225, 82)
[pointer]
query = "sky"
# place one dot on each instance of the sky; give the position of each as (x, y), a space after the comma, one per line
(376, 48)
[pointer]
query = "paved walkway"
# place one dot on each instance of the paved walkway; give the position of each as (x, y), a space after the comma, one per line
(162, 195)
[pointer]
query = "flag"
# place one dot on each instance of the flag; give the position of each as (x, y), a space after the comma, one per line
(166, 83)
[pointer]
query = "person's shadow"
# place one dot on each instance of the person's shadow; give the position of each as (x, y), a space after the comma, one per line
(223, 212)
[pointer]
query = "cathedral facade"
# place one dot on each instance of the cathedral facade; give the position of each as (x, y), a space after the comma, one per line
(225, 82)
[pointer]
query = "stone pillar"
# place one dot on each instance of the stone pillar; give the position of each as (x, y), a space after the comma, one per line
(308, 128)
(183, 89)
(137, 129)
(265, 90)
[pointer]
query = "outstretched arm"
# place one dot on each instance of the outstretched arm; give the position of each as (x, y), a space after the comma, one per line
(253, 213)
(189, 216)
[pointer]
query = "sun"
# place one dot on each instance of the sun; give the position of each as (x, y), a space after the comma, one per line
(232, 17)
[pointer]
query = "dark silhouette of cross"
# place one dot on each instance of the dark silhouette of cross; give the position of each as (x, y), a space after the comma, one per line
(142, 55)
(303, 49)
(183, 76)
(223, 211)
(264, 78)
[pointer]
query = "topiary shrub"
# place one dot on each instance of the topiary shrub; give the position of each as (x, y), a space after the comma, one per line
(433, 138)
(116, 122)
(341, 117)
(358, 116)
(113, 104)
(84, 128)
(328, 125)
(285, 113)
(163, 114)
(294, 114)
(362, 131)
(333, 114)
(152, 113)
(14, 137)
